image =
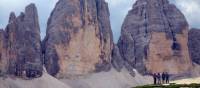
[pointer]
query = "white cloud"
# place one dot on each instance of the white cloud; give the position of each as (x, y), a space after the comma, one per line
(118, 11)
(191, 10)
(115, 3)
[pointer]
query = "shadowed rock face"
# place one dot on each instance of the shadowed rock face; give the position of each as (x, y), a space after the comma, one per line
(154, 38)
(194, 43)
(3, 52)
(79, 38)
(23, 39)
(117, 61)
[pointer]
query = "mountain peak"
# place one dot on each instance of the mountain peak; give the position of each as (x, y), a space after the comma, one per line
(150, 27)
(12, 17)
(79, 38)
(31, 11)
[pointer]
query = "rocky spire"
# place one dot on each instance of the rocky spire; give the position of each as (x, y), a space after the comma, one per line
(31, 15)
(154, 38)
(24, 41)
(12, 17)
(79, 38)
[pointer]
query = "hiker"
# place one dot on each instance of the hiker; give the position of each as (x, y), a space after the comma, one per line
(154, 78)
(167, 77)
(163, 78)
(159, 78)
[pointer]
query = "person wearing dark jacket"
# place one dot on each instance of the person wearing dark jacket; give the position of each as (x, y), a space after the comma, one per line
(155, 78)
(159, 78)
(163, 78)
(167, 77)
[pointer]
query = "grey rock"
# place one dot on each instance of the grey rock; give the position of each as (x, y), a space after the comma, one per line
(12, 17)
(144, 20)
(105, 34)
(79, 38)
(3, 53)
(117, 61)
(194, 43)
(24, 44)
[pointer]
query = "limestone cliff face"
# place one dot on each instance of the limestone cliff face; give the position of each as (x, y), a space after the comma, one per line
(154, 38)
(23, 39)
(194, 43)
(79, 38)
(3, 52)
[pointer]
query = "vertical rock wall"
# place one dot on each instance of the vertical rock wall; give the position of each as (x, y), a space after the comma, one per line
(23, 39)
(154, 38)
(79, 38)
(194, 43)
(3, 53)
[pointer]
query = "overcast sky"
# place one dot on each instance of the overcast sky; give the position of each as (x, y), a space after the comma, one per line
(118, 10)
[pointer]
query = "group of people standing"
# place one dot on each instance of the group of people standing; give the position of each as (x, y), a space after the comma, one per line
(161, 78)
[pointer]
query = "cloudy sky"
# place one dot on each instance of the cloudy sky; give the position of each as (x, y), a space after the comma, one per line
(118, 10)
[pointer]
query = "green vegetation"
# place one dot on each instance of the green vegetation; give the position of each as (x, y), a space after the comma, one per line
(170, 86)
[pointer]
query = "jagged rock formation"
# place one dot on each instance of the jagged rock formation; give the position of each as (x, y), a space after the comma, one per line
(78, 39)
(154, 38)
(194, 43)
(23, 39)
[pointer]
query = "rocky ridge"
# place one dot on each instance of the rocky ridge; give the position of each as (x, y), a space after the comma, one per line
(79, 40)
